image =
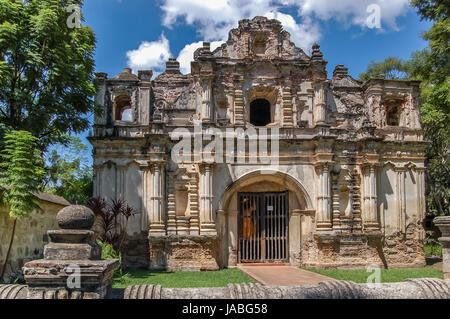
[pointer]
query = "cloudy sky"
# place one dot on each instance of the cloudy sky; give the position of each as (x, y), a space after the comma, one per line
(143, 34)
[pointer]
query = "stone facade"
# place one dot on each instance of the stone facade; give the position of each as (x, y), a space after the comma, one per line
(351, 156)
(30, 235)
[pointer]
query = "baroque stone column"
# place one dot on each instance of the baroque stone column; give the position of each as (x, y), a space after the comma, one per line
(207, 104)
(320, 104)
(238, 105)
(323, 197)
(156, 206)
(370, 218)
(400, 197)
(207, 223)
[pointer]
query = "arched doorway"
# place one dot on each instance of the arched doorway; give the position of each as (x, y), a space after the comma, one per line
(266, 182)
(263, 227)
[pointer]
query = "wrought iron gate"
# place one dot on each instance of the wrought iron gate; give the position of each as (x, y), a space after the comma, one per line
(263, 227)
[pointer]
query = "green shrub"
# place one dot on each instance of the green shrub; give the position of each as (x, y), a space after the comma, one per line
(433, 250)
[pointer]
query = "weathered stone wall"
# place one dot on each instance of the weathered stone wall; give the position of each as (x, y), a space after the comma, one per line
(30, 236)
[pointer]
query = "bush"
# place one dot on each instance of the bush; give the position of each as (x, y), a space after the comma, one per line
(433, 250)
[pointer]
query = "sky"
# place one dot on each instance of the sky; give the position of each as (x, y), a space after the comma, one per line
(143, 34)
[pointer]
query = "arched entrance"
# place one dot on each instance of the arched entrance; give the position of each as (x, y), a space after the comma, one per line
(255, 198)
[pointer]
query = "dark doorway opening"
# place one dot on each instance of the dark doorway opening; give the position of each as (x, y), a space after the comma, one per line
(263, 227)
(260, 112)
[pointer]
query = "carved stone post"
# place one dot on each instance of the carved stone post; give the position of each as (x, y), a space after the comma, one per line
(323, 197)
(208, 225)
(157, 227)
(443, 222)
(370, 219)
(171, 208)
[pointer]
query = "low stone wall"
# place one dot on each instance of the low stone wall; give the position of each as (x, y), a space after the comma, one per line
(425, 288)
(188, 253)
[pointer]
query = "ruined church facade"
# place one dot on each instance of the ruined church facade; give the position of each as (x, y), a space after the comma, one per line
(347, 189)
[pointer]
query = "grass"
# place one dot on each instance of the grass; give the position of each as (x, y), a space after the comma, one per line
(387, 275)
(181, 279)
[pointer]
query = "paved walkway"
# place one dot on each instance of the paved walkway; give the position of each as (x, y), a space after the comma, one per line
(282, 275)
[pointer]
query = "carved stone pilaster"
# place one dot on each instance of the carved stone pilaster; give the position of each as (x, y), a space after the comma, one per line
(320, 103)
(288, 115)
(238, 106)
(207, 220)
(370, 217)
(171, 208)
(323, 197)
(207, 111)
(400, 196)
(193, 202)
(157, 225)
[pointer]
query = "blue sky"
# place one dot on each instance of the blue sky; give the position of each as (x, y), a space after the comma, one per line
(143, 34)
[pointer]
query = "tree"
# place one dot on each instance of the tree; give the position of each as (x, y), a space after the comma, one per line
(21, 177)
(46, 69)
(391, 68)
(69, 175)
(432, 67)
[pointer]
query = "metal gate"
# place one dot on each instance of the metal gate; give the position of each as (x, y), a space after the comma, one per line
(263, 227)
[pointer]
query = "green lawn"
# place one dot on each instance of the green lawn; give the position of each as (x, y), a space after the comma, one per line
(181, 279)
(387, 275)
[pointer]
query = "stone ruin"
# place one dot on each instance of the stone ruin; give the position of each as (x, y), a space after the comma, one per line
(349, 173)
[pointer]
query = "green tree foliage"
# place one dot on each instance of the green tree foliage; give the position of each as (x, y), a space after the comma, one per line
(432, 67)
(391, 68)
(46, 69)
(22, 172)
(69, 175)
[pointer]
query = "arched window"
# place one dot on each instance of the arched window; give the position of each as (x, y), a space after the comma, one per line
(260, 112)
(123, 109)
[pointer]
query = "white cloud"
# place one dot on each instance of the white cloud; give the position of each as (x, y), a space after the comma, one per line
(150, 55)
(353, 12)
(213, 19)
(187, 54)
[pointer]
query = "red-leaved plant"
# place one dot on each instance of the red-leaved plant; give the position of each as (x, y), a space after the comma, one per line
(112, 230)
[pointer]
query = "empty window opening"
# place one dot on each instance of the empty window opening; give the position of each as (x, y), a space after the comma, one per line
(123, 109)
(260, 112)
(393, 114)
(260, 45)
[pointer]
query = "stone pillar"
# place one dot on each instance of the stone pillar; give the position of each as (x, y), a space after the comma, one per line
(336, 205)
(370, 218)
(320, 104)
(193, 202)
(156, 207)
(171, 208)
(323, 197)
(401, 197)
(443, 222)
(207, 223)
(421, 192)
(288, 114)
(238, 105)
(207, 104)
(72, 267)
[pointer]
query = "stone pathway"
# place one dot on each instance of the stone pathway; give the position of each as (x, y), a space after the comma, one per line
(282, 275)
